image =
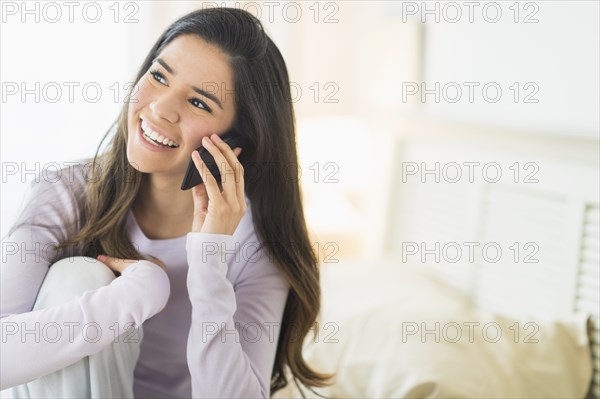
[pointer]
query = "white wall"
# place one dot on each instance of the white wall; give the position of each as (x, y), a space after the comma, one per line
(43, 122)
(368, 50)
(559, 54)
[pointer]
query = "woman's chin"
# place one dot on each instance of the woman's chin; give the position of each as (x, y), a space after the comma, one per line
(142, 163)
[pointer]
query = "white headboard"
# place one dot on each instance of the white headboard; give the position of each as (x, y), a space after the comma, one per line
(546, 223)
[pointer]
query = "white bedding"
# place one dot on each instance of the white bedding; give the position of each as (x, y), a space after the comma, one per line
(372, 333)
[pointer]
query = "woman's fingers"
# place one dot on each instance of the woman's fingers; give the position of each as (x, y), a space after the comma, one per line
(200, 198)
(232, 172)
(220, 212)
(116, 264)
(119, 265)
(239, 182)
(227, 172)
(212, 188)
(200, 206)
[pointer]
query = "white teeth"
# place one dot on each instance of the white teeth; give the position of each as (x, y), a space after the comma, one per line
(150, 141)
(156, 136)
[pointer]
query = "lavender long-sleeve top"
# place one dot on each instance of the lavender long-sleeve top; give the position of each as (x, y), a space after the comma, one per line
(210, 329)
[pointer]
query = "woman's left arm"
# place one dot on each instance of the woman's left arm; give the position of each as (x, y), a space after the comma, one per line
(234, 331)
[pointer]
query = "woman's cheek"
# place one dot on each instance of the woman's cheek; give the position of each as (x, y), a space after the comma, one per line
(197, 133)
(140, 91)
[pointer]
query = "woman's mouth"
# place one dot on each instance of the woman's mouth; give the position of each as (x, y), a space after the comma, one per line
(153, 140)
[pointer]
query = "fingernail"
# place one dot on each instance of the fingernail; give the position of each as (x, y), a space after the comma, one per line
(101, 258)
(217, 138)
(239, 150)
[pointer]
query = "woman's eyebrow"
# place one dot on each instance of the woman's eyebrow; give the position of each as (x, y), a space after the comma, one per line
(196, 89)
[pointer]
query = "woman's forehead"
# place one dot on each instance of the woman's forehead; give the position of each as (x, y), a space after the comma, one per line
(194, 61)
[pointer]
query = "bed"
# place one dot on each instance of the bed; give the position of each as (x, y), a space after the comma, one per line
(523, 322)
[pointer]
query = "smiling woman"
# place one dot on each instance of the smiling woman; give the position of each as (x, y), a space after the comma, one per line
(169, 114)
(221, 282)
(171, 101)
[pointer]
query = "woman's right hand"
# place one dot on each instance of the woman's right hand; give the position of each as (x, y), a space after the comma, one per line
(119, 265)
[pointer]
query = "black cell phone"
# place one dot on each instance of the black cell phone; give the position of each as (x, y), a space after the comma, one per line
(192, 176)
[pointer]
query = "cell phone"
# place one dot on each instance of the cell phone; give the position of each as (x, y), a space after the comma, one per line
(192, 176)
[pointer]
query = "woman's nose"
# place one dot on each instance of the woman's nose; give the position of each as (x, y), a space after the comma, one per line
(164, 107)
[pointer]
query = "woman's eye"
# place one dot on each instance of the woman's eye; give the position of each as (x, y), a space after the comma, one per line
(199, 104)
(157, 76)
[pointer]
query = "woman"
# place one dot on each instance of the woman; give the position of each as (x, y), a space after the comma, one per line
(223, 276)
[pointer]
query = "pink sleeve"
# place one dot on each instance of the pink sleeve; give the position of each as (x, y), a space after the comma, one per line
(234, 332)
(46, 340)
(35, 343)
(49, 214)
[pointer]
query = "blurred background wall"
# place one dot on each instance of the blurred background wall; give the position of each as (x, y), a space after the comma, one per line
(360, 71)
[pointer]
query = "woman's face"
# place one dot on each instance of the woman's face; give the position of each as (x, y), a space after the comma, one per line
(185, 95)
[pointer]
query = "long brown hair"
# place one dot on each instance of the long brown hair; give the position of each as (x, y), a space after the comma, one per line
(264, 113)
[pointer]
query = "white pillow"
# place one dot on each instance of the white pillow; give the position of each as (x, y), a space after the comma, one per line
(371, 335)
